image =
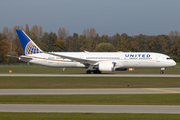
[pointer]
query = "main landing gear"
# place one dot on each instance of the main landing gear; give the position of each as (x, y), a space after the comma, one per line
(93, 72)
(162, 70)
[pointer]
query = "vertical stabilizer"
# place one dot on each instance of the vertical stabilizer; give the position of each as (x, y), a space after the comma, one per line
(29, 47)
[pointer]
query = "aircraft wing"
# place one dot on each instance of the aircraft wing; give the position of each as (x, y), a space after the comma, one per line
(81, 60)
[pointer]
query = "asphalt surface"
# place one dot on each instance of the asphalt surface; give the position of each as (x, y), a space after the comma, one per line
(89, 91)
(87, 75)
(167, 109)
(90, 108)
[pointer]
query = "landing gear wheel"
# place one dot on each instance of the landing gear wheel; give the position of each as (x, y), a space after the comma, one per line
(162, 72)
(93, 72)
(88, 72)
(96, 72)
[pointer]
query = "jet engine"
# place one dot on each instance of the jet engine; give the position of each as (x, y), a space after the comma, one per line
(107, 66)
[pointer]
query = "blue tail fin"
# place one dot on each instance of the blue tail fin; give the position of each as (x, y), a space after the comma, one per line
(29, 47)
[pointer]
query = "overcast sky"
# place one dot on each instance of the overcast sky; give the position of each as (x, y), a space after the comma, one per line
(134, 17)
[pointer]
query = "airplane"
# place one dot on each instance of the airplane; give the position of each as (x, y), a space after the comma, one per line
(95, 62)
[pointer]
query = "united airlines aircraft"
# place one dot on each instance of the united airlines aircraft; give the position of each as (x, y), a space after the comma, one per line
(95, 62)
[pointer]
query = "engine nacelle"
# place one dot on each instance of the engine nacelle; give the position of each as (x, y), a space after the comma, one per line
(107, 66)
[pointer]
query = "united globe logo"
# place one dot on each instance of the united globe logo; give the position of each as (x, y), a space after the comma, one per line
(31, 48)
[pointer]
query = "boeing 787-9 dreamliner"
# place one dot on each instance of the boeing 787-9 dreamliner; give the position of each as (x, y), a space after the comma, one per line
(95, 62)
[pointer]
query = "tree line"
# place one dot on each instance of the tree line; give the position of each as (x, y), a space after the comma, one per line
(88, 41)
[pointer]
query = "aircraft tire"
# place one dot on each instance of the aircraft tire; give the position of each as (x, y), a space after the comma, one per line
(162, 72)
(96, 72)
(88, 72)
(93, 72)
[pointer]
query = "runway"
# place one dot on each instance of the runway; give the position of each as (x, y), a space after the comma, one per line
(89, 91)
(91, 108)
(166, 109)
(86, 75)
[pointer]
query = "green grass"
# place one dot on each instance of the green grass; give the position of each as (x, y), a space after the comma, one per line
(86, 82)
(152, 99)
(87, 116)
(71, 82)
(24, 68)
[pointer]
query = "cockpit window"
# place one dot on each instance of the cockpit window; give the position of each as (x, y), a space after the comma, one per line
(168, 58)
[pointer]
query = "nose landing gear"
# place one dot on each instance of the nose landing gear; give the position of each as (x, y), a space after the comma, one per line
(162, 70)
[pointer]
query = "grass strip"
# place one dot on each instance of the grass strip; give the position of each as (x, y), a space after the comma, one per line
(24, 68)
(87, 116)
(86, 82)
(152, 99)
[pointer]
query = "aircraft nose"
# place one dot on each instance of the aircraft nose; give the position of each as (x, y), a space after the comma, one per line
(174, 63)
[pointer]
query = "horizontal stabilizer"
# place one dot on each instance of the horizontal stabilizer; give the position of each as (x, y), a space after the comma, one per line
(13, 56)
(20, 58)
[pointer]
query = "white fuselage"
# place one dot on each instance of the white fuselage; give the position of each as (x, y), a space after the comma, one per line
(122, 59)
